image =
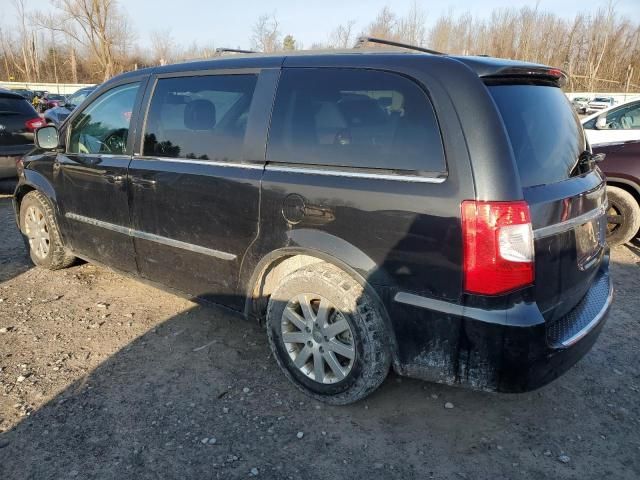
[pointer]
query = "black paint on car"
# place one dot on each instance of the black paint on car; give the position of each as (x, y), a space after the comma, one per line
(435, 214)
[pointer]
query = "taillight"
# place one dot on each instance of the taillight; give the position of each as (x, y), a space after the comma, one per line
(498, 246)
(34, 124)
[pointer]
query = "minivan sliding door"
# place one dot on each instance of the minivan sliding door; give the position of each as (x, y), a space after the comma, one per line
(196, 187)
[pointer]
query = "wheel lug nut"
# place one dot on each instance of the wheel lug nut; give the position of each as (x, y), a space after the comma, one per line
(310, 343)
(321, 350)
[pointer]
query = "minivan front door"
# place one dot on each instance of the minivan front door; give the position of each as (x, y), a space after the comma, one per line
(195, 190)
(91, 178)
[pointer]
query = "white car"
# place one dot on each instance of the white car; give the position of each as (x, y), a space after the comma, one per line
(600, 103)
(616, 124)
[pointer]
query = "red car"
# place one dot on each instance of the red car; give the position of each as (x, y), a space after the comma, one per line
(54, 100)
(622, 168)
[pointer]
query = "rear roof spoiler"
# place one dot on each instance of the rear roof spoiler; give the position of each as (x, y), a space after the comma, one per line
(528, 73)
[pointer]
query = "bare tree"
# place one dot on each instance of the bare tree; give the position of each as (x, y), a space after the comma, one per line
(163, 46)
(384, 26)
(412, 27)
(266, 36)
(90, 40)
(342, 36)
(97, 25)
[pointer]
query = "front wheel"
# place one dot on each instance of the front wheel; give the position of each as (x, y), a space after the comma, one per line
(38, 225)
(328, 335)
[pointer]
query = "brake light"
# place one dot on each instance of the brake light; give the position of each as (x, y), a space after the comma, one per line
(498, 246)
(34, 124)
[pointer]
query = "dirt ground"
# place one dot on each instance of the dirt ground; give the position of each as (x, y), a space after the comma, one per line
(104, 377)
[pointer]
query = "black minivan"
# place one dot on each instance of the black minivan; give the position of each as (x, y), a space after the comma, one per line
(441, 215)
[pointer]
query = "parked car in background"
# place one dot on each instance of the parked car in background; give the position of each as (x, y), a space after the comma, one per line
(58, 114)
(622, 168)
(24, 92)
(600, 103)
(618, 124)
(439, 215)
(580, 104)
(18, 121)
(54, 100)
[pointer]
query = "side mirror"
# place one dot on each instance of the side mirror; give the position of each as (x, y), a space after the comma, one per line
(601, 122)
(46, 138)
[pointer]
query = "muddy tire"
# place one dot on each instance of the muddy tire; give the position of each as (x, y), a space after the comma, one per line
(42, 236)
(623, 216)
(328, 335)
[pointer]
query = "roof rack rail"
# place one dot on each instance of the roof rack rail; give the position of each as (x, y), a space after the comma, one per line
(220, 51)
(362, 40)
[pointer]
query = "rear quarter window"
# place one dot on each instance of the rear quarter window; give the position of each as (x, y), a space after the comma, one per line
(356, 119)
(10, 105)
(545, 133)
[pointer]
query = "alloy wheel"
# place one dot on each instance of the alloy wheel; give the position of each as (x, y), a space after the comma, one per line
(318, 338)
(37, 232)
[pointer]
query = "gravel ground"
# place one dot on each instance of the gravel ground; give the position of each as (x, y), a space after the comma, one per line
(104, 377)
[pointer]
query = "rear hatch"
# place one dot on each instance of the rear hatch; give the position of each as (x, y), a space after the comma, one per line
(15, 113)
(563, 187)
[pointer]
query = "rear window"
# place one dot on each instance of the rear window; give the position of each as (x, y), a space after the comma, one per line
(545, 133)
(355, 119)
(10, 105)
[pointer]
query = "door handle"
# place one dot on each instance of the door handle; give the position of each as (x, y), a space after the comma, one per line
(115, 179)
(143, 182)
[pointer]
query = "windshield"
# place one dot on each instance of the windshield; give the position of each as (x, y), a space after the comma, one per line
(545, 133)
(602, 99)
(78, 97)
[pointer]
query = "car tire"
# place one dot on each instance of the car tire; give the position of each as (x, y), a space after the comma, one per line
(623, 216)
(342, 319)
(40, 231)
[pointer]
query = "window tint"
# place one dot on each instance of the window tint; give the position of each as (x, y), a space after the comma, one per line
(544, 130)
(201, 118)
(78, 97)
(12, 105)
(624, 118)
(354, 118)
(103, 127)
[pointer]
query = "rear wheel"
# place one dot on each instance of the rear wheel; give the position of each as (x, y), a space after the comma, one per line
(327, 335)
(623, 216)
(38, 225)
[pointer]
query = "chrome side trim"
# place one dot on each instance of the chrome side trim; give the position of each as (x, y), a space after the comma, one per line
(152, 237)
(214, 163)
(350, 174)
(569, 224)
(520, 315)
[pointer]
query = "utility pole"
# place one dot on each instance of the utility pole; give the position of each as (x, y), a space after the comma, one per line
(626, 84)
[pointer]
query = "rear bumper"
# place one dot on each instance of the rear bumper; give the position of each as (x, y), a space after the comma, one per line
(510, 350)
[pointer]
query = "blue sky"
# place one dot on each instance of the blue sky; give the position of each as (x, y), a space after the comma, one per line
(229, 23)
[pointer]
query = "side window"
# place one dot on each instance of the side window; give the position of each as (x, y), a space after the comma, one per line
(354, 118)
(625, 118)
(103, 127)
(202, 118)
